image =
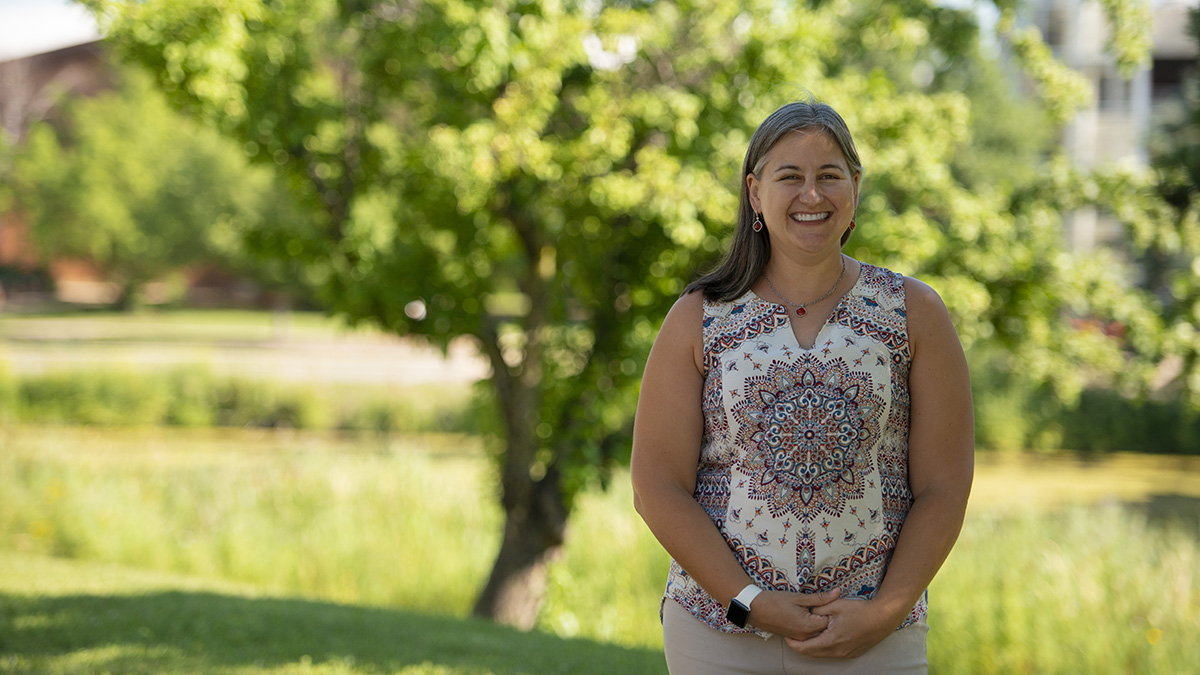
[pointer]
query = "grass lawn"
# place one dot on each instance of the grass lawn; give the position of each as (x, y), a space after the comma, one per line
(60, 617)
(167, 550)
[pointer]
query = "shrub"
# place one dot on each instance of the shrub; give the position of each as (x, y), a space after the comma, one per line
(8, 393)
(1105, 421)
(193, 397)
(99, 398)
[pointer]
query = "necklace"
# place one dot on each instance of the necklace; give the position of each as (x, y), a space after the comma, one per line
(800, 311)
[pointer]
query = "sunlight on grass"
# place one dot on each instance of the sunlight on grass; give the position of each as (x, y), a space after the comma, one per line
(1041, 481)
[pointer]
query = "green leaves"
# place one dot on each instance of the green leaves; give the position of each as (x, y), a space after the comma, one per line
(545, 176)
(135, 188)
(1131, 33)
(1063, 90)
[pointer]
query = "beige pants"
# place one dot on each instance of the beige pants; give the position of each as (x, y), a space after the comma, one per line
(694, 648)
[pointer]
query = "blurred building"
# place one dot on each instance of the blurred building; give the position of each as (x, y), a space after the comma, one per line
(1117, 128)
(50, 53)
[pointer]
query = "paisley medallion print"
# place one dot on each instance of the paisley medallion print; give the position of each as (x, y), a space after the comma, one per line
(803, 464)
(807, 426)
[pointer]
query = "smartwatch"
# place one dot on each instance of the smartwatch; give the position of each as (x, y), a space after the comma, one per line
(739, 609)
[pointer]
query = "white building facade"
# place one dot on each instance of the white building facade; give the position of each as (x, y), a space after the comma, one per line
(1117, 127)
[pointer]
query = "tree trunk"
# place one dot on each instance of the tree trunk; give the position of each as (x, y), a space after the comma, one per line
(534, 530)
(130, 298)
(535, 512)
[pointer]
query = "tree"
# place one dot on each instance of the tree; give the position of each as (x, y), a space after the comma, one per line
(544, 175)
(132, 186)
(1159, 208)
(1170, 243)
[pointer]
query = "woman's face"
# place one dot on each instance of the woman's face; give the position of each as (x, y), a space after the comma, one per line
(805, 193)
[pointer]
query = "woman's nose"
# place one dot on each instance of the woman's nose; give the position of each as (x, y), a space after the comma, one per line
(809, 194)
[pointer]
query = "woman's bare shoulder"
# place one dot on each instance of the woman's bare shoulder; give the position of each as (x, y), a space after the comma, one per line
(921, 295)
(686, 315)
(928, 318)
(682, 329)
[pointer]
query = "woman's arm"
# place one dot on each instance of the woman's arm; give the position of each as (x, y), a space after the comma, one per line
(941, 447)
(666, 452)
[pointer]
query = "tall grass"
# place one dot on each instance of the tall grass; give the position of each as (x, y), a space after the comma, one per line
(409, 524)
(1082, 590)
(413, 524)
(610, 576)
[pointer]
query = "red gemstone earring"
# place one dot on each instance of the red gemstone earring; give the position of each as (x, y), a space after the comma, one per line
(758, 223)
(852, 226)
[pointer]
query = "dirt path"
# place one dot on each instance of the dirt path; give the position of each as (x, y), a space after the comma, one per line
(300, 356)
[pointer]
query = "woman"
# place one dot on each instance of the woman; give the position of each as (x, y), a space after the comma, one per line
(797, 409)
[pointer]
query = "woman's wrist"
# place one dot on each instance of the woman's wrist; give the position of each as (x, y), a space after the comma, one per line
(895, 606)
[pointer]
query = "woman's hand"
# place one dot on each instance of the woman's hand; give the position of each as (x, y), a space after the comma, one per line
(791, 614)
(854, 627)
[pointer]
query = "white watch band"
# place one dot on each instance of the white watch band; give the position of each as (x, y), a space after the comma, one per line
(747, 595)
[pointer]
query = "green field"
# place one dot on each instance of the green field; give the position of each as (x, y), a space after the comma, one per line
(263, 551)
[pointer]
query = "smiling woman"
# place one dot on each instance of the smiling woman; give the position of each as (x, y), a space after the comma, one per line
(806, 196)
(804, 440)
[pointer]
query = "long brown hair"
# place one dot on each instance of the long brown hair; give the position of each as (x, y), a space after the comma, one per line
(750, 251)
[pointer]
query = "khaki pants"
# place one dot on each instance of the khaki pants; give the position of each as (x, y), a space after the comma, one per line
(694, 648)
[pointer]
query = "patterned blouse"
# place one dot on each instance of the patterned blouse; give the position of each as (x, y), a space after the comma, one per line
(804, 457)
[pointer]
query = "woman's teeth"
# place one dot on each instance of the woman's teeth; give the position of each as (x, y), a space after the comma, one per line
(806, 217)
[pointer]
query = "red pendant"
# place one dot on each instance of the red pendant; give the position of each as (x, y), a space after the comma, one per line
(800, 311)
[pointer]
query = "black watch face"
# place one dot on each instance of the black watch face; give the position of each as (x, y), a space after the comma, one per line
(737, 614)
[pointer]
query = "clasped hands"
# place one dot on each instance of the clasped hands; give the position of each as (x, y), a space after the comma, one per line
(822, 624)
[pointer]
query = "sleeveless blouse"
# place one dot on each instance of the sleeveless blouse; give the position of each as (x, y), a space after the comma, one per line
(804, 457)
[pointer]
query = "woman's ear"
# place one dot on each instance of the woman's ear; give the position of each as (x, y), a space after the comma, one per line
(752, 192)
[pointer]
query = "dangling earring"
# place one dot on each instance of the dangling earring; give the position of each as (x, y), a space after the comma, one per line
(758, 223)
(851, 225)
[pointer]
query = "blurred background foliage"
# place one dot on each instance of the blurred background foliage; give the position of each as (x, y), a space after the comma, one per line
(544, 176)
(130, 185)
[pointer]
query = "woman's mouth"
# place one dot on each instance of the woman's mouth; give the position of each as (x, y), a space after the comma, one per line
(810, 217)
